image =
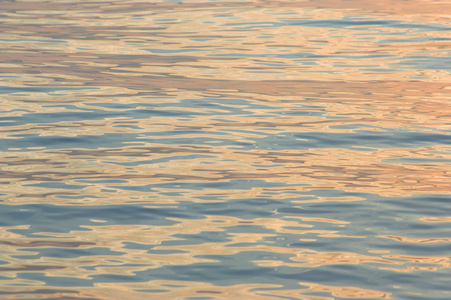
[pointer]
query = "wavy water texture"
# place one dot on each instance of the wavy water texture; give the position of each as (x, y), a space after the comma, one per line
(206, 149)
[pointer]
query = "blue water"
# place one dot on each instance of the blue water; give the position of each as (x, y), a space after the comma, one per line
(225, 150)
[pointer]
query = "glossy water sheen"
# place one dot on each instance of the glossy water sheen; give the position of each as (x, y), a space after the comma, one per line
(225, 149)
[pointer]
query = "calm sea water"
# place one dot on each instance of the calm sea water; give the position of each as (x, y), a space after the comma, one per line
(202, 149)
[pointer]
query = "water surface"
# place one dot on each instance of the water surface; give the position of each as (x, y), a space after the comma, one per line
(225, 149)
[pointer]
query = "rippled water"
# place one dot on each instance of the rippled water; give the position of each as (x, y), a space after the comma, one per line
(225, 149)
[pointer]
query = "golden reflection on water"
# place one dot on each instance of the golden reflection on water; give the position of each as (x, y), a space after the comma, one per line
(182, 149)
